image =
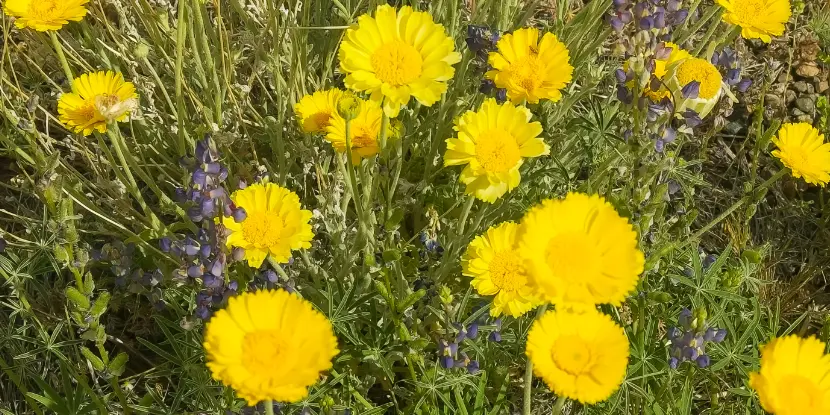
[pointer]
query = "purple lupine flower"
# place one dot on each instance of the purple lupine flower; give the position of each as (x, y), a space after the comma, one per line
(237, 254)
(271, 276)
(703, 361)
(239, 215)
(733, 76)
(473, 367)
(673, 5)
(659, 146)
(709, 260)
(194, 271)
(744, 85)
(692, 118)
(624, 94)
(720, 335)
(494, 336)
(659, 20)
(679, 17)
(472, 331)
(669, 134)
(164, 244)
(621, 76)
(673, 362)
(616, 23)
(691, 90)
(447, 362)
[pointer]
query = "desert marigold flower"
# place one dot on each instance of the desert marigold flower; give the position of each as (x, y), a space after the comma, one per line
(314, 111)
(708, 89)
(758, 19)
(44, 15)
(530, 69)
(365, 130)
(580, 252)
(802, 149)
(494, 263)
(677, 53)
(98, 98)
(492, 142)
(398, 54)
(582, 356)
(794, 378)
(274, 223)
(269, 345)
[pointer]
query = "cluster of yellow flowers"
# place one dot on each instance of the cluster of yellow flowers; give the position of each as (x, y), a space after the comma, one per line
(574, 253)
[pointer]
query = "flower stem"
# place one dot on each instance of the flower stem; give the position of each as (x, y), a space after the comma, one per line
(464, 213)
(61, 57)
(277, 267)
(528, 383)
(559, 407)
(181, 38)
(269, 407)
(384, 129)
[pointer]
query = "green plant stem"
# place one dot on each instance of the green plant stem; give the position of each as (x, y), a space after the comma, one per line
(61, 57)
(119, 145)
(464, 213)
(269, 407)
(116, 387)
(528, 383)
(277, 267)
(181, 39)
(559, 407)
(209, 61)
(384, 131)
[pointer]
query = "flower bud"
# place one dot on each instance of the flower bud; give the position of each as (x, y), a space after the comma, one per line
(348, 106)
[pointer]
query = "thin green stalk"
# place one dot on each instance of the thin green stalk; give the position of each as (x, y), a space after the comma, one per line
(61, 57)
(119, 145)
(559, 407)
(390, 196)
(181, 39)
(350, 169)
(116, 387)
(528, 383)
(277, 267)
(464, 213)
(269, 407)
(211, 65)
(384, 130)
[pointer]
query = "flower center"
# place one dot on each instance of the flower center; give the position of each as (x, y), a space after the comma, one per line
(749, 11)
(262, 229)
(572, 355)
(497, 151)
(318, 121)
(506, 271)
(262, 351)
(696, 69)
(364, 136)
(43, 9)
(801, 392)
(527, 72)
(396, 63)
(571, 256)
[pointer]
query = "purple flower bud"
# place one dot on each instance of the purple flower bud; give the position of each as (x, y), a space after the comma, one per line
(662, 51)
(473, 367)
(659, 20)
(212, 168)
(691, 118)
(453, 349)
(674, 187)
(501, 95)
(691, 90)
(194, 271)
(164, 244)
(218, 193)
(733, 76)
(679, 17)
(233, 285)
(472, 331)
(622, 77)
(669, 134)
(646, 23)
(720, 335)
(709, 260)
(710, 334)
(271, 276)
(497, 323)
(223, 174)
(674, 333)
(620, 4)
(685, 318)
(744, 85)
(202, 312)
(212, 281)
(487, 87)
(239, 215)
(640, 9)
(238, 254)
(690, 353)
(627, 135)
(659, 145)
(616, 23)
(195, 213)
(217, 267)
(200, 178)
(208, 207)
(494, 337)
(673, 5)
(461, 336)
(703, 361)
(624, 94)
(673, 362)
(447, 362)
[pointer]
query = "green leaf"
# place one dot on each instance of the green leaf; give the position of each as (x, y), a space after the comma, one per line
(77, 298)
(100, 306)
(117, 365)
(95, 360)
(410, 300)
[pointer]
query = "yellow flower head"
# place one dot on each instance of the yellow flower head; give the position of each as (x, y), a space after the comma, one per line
(274, 223)
(530, 70)
(396, 55)
(44, 15)
(758, 19)
(682, 72)
(97, 98)
(314, 111)
(492, 259)
(581, 356)
(365, 130)
(492, 143)
(802, 149)
(677, 53)
(269, 345)
(794, 378)
(579, 252)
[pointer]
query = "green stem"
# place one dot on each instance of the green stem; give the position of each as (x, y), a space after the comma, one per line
(464, 213)
(528, 383)
(116, 387)
(277, 267)
(119, 145)
(269, 407)
(560, 406)
(61, 57)
(384, 130)
(181, 39)
(358, 204)
(209, 60)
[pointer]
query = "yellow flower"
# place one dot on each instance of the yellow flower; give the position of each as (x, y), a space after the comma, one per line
(274, 224)
(794, 378)
(315, 111)
(492, 143)
(530, 70)
(682, 72)
(582, 356)
(492, 259)
(397, 55)
(677, 53)
(579, 252)
(365, 131)
(758, 19)
(269, 345)
(44, 15)
(97, 98)
(802, 149)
